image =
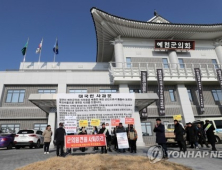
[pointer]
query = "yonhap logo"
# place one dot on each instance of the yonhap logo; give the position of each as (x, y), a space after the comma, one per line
(155, 153)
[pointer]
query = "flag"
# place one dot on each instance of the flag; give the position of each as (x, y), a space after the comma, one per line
(24, 49)
(38, 50)
(56, 47)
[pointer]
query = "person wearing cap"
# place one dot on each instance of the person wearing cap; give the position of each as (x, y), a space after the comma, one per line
(209, 130)
(132, 136)
(59, 138)
(191, 131)
(179, 132)
(104, 131)
(159, 129)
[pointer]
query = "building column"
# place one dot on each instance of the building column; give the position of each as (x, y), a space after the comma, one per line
(123, 88)
(136, 116)
(173, 59)
(52, 122)
(1, 92)
(61, 88)
(218, 49)
(118, 51)
(187, 110)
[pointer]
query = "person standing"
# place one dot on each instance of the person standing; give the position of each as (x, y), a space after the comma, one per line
(209, 130)
(59, 138)
(160, 136)
(104, 131)
(47, 134)
(109, 138)
(83, 132)
(191, 131)
(179, 132)
(201, 136)
(95, 132)
(132, 136)
(120, 129)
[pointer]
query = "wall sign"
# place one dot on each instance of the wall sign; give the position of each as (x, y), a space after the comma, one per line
(219, 77)
(175, 44)
(161, 107)
(144, 89)
(199, 88)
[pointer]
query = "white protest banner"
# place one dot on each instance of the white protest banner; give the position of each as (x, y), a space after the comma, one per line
(122, 140)
(102, 106)
(70, 124)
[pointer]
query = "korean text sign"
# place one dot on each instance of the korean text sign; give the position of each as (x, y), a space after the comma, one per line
(76, 141)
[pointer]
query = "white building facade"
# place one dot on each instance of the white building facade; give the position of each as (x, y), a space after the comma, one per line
(124, 49)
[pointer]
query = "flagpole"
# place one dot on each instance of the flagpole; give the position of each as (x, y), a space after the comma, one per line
(40, 51)
(55, 50)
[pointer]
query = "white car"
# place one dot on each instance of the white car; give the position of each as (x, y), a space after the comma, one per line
(29, 138)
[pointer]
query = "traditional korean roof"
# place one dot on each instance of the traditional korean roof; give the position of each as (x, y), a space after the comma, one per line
(108, 27)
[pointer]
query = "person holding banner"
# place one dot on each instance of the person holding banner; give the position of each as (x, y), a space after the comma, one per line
(59, 138)
(83, 131)
(209, 130)
(132, 136)
(95, 132)
(104, 131)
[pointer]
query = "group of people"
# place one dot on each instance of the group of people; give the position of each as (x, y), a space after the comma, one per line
(194, 135)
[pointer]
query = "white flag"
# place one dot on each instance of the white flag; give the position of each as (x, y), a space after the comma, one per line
(38, 50)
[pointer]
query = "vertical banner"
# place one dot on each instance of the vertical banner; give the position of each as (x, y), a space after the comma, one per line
(143, 113)
(161, 106)
(199, 88)
(219, 77)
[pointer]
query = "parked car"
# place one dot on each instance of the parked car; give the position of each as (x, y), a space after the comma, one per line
(6, 140)
(31, 138)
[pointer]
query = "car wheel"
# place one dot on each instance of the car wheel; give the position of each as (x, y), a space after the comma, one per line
(38, 144)
(17, 147)
(217, 139)
(9, 146)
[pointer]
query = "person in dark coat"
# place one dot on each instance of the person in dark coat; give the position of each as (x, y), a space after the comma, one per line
(201, 136)
(83, 131)
(160, 136)
(120, 129)
(132, 138)
(209, 130)
(191, 131)
(95, 132)
(59, 138)
(104, 131)
(115, 139)
(179, 132)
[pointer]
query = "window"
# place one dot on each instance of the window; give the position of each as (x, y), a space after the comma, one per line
(165, 63)
(41, 127)
(47, 91)
(15, 96)
(172, 97)
(217, 95)
(146, 129)
(181, 63)
(10, 128)
(39, 132)
(135, 91)
(190, 95)
(78, 91)
(214, 61)
(128, 62)
(218, 124)
(107, 91)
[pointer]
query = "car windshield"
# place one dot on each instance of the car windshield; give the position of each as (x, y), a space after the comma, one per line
(25, 132)
(2, 134)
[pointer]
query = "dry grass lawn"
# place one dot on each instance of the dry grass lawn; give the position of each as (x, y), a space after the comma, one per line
(102, 162)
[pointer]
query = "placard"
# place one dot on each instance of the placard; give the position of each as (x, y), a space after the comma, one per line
(122, 140)
(199, 88)
(177, 117)
(70, 124)
(115, 122)
(95, 122)
(76, 141)
(83, 123)
(102, 106)
(129, 121)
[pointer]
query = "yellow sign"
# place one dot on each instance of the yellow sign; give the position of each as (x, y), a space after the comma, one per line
(177, 117)
(95, 122)
(83, 123)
